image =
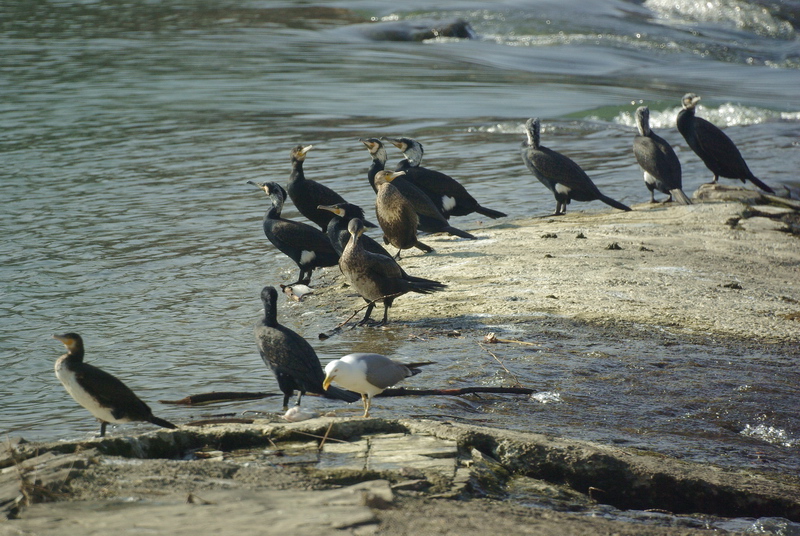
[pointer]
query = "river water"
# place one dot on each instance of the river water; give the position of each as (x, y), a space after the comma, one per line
(129, 129)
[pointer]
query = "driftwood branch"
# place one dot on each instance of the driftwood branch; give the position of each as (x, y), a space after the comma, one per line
(218, 397)
(402, 391)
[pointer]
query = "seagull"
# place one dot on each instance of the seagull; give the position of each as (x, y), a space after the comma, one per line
(368, 374)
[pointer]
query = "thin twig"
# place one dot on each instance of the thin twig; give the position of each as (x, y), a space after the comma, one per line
(325, 437)
(516, 380)
(340, 325)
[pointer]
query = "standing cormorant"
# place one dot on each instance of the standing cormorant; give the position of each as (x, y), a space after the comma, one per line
(713, 146)
(430, 219)
(396, 214)
(337, 228)
(307, 194)
(377, 277)
(308, 247)
(368, 374)
(662, 169)
(449, 195)
(558, 173)
(105, 396)
(293, 361)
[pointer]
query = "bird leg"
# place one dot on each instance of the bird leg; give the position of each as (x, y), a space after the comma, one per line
(367, 403)
(365, 320)
(299, 398)
(103, 428)
(668, 200)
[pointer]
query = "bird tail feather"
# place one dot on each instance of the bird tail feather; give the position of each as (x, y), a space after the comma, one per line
(458, 232)
(341, 394)
(616, 204)
(680, 197)
(760, 184)
(421, 285)
(161, 422)
(494, 214)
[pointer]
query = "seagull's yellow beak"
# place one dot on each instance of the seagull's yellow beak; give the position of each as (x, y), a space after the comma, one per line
(327, 382)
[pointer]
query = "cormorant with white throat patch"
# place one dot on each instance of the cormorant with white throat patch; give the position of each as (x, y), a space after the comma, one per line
(660, 164)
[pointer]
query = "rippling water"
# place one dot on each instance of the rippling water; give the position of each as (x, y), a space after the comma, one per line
(128, 131)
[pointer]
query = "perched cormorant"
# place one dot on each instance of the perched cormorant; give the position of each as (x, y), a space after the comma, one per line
(368, 374)
(396, 214)
(430, 219)
(449, 196)
(377, 277)
(308, 247)
(293, 361)
(662, 169)
(713, 146)
(105, 396)
(307, 194)
(559, 174)
(337, 228)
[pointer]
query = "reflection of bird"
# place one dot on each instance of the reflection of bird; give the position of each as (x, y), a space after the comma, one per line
(293, 361)
(377, 277)
(308, 247)
(368, 374)
(396, 214)
(106, 397)
(449, 196)
(662, 169)
(430, 219)
(559, 174)
(713, 146)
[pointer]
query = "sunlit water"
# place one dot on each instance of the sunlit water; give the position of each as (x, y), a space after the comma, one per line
(129, 129)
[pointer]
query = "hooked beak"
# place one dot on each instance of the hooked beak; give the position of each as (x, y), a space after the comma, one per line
(327, 382)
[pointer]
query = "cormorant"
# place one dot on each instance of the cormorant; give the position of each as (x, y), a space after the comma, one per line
(662, 169)
(559, 174)
(293, 361)
(396, 214)
(337, 228)
(308, 247)
(307, 194)
(449, 196)
(368, 374)
(430, 219)
(377, 277)
(105, 396)
(713, 146)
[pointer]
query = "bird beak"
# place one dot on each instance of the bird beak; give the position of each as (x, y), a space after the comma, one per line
(696, 100)
(259, 186)
(327, 382)
(392, 176)
(305, 149)
(64, 340)
(330, 208)
(397, 143)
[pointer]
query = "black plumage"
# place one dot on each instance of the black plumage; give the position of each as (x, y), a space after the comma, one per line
(660, 164)
(308, 247)
(558, 173)
(105, 396)
(378, 277)
(430, 220)
(449, 195)
(396, 214)
(307, 194)
(337, 228)
(713, 146)
(291, 358)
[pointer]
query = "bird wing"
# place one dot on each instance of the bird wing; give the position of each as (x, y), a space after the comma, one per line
(656, 157)
(288, 353)
(109, 391)
(561, 170)
(382, 372)
(719, 149)
(382, 266)
(295, 234)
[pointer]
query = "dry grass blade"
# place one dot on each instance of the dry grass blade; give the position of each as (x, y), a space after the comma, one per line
(516, 380)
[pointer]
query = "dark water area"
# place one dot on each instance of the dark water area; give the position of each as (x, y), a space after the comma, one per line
(129, 129)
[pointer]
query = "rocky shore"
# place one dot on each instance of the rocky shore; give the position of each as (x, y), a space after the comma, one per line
(723, 268)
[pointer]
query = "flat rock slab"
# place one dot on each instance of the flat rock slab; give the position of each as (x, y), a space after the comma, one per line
(239, 512)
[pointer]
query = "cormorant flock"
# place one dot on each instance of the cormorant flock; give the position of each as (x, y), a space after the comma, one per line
(409, 200)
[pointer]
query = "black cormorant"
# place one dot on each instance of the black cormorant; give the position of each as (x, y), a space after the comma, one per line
(308, 247)
(378, 277)
(337, 228)
(559, 174)
(307, 194)
(430, 219)
(449, 195)
(105, 396)
(662, 169)
(293, 361)
(713, 146)
(368, 374)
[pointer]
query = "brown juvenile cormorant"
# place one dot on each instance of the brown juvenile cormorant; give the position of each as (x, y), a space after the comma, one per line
(559, 174)
(308, 247)
(713, 146)
(449, 195)
(293, 361)
(368, 374)
(377, 277)
(396, 214)
(105, 396)
(662, 169)
(430, 219)
(307, 194)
